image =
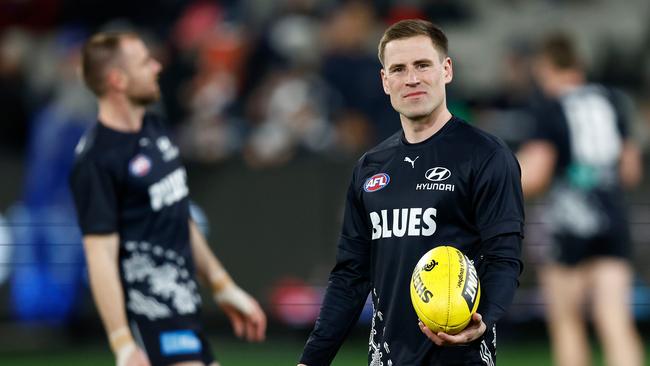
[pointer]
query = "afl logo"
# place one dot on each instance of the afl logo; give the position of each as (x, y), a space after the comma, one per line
(437, 174)
(140, 165)
(376, 182)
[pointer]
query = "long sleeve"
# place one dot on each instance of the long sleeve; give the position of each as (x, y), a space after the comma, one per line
(347, 290)
(500, 215)
(499, 268)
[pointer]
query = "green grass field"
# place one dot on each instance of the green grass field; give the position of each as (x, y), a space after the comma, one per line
(276, 352)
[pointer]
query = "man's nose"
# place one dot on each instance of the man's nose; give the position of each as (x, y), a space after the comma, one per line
(412, 77)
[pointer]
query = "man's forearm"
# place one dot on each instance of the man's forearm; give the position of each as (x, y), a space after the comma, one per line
(207, 264)
(499, 272)
(101, 256)
(340, 311)
(346, 295)
(224, 289)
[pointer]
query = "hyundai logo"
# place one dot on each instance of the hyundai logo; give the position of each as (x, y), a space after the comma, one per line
(437, 174)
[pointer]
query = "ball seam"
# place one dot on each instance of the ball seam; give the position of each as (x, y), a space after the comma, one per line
(448, 288)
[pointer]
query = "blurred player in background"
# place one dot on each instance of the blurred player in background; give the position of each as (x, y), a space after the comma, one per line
(43, 220)
(438, 181)
(582, 154)
(141, 246)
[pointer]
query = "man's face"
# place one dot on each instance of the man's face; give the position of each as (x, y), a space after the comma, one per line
(547, 76)
(141, 72)
(414, 76)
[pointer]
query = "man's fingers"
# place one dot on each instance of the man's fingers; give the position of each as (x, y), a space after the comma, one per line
(251, 331)
(250, 326)
(474, 330)
(240, 326)
(477, 318)
(237, 322)
(261, 324)
(462, 337)
(255, 323)
(432, 336)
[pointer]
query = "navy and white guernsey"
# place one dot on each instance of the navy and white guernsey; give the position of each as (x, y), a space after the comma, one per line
(134, 184)
(460, 187)
(586, 211)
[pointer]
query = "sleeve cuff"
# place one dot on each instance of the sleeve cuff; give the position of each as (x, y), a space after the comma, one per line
(98, 230)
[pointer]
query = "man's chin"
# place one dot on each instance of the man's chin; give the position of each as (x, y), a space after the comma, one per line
(414, 111)
(417, 115)
(145, 100)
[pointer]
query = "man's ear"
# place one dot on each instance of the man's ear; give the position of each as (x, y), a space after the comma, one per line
(384, 81)
(448, 70)
(115, 79)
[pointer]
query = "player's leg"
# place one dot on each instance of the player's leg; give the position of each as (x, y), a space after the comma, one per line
(611, 281)
(564, 290)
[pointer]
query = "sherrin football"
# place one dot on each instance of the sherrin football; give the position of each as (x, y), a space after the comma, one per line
(445, 290)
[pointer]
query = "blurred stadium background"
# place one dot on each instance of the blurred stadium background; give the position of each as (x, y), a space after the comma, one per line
(271, 103)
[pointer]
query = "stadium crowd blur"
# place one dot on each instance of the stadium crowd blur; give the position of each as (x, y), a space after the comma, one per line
(267, 80)
(270, 82)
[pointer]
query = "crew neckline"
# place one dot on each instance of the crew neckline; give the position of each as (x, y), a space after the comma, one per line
(120, 132)
(449, 124)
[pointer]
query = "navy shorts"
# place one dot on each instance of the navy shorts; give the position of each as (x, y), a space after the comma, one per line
(572, 250)
(171, 341)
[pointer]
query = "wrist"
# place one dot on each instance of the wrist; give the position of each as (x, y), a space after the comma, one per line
(234, 296)
(121, 340)
(220, 282)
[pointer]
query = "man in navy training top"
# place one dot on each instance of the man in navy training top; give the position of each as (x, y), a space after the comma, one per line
(581, 157)
(438, 181)
(141, 246)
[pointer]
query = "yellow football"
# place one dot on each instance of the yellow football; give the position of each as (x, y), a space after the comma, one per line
(445, 290)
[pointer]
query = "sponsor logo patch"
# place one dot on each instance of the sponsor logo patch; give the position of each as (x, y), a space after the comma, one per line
(437, 174)
(140, 165)
(179, 342)
(411, 161)
(376, 182)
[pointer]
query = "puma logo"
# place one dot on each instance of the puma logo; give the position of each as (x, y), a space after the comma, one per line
(408, 160)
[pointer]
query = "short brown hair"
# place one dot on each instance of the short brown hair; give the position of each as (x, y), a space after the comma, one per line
(410, 28)
(560, 50)
(99, 52)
